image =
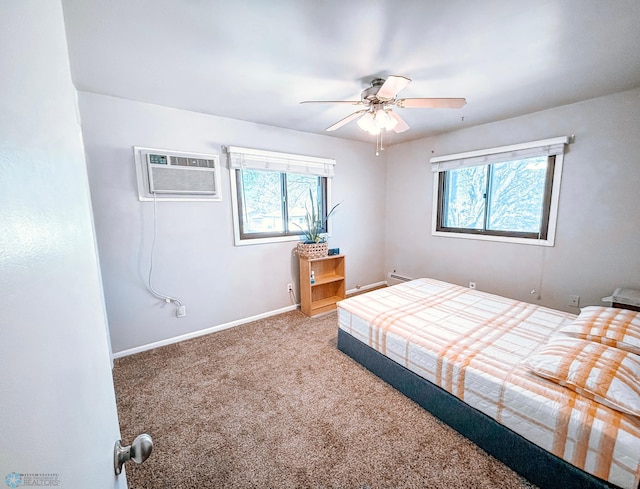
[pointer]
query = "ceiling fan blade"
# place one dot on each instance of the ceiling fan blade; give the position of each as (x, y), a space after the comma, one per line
(392, 86)
(349, 102)
(401, 126)
(431, 103)
(346, 120)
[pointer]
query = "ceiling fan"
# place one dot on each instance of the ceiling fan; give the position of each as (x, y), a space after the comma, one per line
(378, 100)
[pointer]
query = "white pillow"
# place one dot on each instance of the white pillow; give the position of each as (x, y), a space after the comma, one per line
(608, 325)
(605, 374)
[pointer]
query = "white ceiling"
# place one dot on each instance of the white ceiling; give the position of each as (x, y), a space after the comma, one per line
(255, 60)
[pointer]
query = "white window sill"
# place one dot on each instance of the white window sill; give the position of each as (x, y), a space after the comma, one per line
(503, 239)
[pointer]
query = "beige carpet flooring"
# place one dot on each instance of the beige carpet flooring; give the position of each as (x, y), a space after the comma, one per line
(274, 404)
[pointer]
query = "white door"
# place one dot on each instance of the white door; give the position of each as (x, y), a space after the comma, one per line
(58, 419)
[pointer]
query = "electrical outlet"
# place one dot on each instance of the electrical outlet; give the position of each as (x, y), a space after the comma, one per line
(574, 300)
(289, 287)
(472, 285)
(181, 311)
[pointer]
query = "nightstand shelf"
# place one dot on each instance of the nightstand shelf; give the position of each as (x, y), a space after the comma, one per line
(329, 285)
(625, 299)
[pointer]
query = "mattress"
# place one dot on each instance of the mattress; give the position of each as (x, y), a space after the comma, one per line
(473, 344)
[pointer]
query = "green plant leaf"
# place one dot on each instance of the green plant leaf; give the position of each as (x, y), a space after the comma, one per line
(313, 232)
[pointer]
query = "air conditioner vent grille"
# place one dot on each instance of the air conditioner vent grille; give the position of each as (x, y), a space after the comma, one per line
(198, 162)
(171, 179)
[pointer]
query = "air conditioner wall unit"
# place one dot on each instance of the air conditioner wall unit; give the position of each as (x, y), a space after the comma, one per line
(176, 175)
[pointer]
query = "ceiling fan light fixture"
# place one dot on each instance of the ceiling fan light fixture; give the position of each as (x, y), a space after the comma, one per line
(366, 123)
(375, 121)
(384, 121)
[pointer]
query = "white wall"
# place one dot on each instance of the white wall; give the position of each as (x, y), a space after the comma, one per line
(196, 260)
(598, 232)
(220, 283)
(57, 405)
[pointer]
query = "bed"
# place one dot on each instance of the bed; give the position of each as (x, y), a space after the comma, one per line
(485, 365)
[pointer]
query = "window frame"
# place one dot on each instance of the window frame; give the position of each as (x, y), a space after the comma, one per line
(496, 155)
(277, 163)
(321, 188)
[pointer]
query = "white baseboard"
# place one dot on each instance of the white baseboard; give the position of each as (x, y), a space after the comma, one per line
(220, 327)
(366, 287)
(202, 332)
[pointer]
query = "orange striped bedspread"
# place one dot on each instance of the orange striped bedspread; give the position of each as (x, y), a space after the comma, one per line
(472, 344)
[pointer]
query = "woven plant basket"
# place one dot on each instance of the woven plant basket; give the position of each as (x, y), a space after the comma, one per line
(313, 250)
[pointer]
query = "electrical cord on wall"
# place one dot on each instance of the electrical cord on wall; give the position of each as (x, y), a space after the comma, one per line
(181, 310)
(541, 259)
(292, 297)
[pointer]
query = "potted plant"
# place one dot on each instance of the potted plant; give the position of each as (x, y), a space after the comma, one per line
(313, 239)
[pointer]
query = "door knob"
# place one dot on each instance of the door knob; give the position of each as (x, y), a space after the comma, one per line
(138, 451)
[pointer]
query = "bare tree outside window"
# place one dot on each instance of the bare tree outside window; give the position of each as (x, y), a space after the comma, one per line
(508, 198)
(274, 203)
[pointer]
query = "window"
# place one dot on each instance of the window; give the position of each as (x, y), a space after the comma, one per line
(505, 194)
(274, 203)
(270, 193)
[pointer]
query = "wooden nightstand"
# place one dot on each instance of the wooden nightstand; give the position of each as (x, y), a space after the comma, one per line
(625, 299)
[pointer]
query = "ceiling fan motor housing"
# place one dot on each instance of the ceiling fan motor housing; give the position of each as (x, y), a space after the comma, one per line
(370, 94)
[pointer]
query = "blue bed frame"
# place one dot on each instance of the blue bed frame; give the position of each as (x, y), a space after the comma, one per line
(529, 460)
